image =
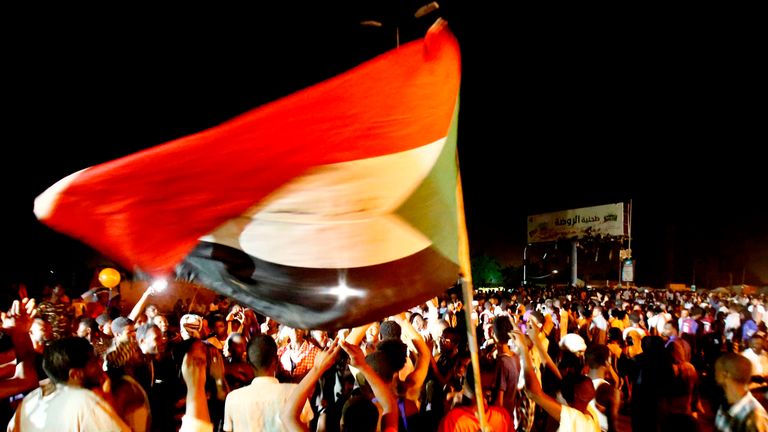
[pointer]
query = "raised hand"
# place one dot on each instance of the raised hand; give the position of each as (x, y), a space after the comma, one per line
(356, 356)
(20, 314)
(327, 357)
(520, 346)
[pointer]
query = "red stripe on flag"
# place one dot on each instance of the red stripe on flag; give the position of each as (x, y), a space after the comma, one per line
(150, 208)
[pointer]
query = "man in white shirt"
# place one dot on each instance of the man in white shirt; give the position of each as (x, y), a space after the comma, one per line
(68, 405)
(757, 355)
(257, 407)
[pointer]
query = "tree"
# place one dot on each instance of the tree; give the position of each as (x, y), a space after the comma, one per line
(486, 271)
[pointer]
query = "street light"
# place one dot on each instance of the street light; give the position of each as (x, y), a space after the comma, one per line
(552, 273)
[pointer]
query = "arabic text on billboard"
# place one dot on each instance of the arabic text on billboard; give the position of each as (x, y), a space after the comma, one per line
(578, 223)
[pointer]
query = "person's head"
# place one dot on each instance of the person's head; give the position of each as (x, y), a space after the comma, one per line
(597, 356)
(449, 340)
(235, 347)
(578, 390)
(670, 329)
(295, 335)
(437, 328)
(262, 355)
(697, 312)
(71, 360)
(394, 352)
(123, 329)
(190, 326)
(40, 331)
(417, 321)
(573, 343)
(390, 330)
(87, 328)
(549, 305)
(756, 342)
(218, 326)
(102, 296)
(161, 322)
(151, 311)
(58, 292)
(462, 365)
(269, 326)
(150, 339)
(502, 327)
(615, 335)
(359, 414)
(372, 334)
(733, 373)
(537, 318)
(486, 384)
(105, 323)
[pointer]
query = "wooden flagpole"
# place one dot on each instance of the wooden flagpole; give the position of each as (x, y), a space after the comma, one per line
(466, 286)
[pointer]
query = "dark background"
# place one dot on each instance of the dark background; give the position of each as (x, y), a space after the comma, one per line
(559, 109)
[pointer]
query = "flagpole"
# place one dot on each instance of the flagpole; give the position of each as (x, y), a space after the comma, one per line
(466, 287)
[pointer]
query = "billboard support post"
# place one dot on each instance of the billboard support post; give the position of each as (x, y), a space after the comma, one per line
(525, 264)
(574, 263)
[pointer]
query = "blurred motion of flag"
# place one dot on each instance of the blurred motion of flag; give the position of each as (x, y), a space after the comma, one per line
(328, 208)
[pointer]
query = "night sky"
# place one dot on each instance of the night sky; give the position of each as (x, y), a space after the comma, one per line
(556, 113)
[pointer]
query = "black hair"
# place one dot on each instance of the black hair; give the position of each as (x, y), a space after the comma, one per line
(65, 354)
(615, 334)
(214, 318)
(388, 358)
(597, 355)
(262, 352)
(89, 323)
(390, 330)
(570, 383)
(502, 326)
(360, 414)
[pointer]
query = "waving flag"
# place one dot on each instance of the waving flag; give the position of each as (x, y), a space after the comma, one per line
(330, 207)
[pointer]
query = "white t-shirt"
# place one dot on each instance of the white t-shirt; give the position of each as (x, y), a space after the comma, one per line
(67, 408)
(256, 407)
(573, 420)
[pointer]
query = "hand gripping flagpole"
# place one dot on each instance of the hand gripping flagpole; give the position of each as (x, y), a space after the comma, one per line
(466, 287)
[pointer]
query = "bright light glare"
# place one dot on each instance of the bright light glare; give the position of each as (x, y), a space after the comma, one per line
(342, 291)
(159, 285)
(555, 272)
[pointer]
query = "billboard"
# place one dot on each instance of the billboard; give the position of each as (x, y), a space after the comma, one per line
(578, 223)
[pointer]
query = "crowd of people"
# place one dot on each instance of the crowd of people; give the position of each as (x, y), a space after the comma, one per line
(568, 360)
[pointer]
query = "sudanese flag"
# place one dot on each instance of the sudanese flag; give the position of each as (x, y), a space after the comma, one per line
(328, 208)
